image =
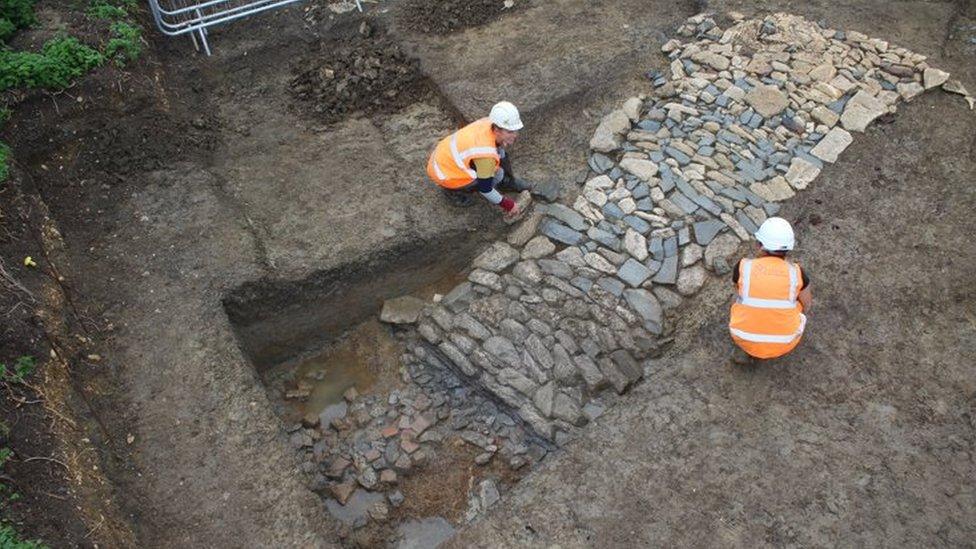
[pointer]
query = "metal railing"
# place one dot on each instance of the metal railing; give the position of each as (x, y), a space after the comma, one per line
(176, 17)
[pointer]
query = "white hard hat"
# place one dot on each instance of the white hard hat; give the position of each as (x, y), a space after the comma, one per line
(505, 116)
(776, 235)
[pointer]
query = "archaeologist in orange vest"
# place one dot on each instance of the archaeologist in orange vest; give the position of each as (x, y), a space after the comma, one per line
(767, 318)
(474, 159)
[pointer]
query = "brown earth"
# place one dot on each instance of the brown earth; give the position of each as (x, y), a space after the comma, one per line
(59, 493)
(180, 181)
(368, 73)
(858, 438)
(453, 15)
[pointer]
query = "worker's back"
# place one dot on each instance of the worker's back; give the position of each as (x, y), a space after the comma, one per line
(767, 320)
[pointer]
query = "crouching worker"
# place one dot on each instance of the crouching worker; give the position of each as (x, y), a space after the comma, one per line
(767, 318)
(474, 159)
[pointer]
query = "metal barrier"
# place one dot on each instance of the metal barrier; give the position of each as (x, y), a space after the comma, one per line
(176, 17)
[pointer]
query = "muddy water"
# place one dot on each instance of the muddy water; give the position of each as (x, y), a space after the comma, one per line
(365, 357)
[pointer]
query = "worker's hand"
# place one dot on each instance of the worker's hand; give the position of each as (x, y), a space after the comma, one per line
(512, 215)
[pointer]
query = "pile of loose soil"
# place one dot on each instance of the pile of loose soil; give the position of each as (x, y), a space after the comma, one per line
(445, 16)
(367, 73)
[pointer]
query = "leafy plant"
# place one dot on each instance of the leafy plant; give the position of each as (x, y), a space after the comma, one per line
(10, 540)
(7, 29)
(4, 162)
(15, 14)
(125, 44)
(104, 10)
(22, 368)
(62, 59)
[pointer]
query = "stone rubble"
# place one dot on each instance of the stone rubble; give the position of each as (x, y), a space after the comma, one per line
(402, 310)
(573, 306)
(748, 117)
(372, 442)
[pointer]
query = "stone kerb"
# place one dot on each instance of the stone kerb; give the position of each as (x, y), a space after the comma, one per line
(573, 304)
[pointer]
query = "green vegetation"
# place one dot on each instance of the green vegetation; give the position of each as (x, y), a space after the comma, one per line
(125, 45)
(62, 59)
(14, 15)
(9, 538)
(4, 162)
(111, 9)
(22, 368)
(101, 10)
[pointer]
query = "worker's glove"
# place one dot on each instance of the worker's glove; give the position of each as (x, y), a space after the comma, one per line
(513, 214)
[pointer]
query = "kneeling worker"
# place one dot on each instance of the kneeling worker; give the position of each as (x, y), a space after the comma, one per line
(474, 159)
(767, 318)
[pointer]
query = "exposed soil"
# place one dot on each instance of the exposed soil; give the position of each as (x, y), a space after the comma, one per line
(54, 474)
(26, 427)
(58, 16)
(367, 73)
(99, 155)
(158, 231)
(366, 358)
(278, 320)
(858, 438)
(442, 17)
(441, 488)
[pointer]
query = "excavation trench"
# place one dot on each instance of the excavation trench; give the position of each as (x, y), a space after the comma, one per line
(325, 330)
(388, 442)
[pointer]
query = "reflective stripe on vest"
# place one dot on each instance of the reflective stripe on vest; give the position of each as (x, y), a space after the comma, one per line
(759, 303)
(448, 164)
(764, 315)
(437, 169)
(458, 159)
(766, 338)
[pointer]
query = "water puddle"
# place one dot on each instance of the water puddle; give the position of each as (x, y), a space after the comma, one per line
(356, 509)
(426, 533)
(365, 357)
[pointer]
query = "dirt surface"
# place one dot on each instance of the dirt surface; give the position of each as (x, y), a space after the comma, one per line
(367, 73)
(441, 487)
(181, 180)
(859, 438)
(443, 17)
(564, 63)
(54, 477)
(166, 183)
(861, 435)
(26, 427)
(365, 357)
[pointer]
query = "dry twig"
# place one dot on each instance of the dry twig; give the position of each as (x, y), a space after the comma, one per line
(13, 282)
(50, 459)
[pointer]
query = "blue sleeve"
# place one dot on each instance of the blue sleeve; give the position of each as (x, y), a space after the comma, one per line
(484, 185)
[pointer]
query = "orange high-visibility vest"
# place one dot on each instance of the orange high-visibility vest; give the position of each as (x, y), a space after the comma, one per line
(450, 164)
(767, 321)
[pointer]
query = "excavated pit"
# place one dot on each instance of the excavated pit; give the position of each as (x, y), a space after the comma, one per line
(297, 325)
(375, 429)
